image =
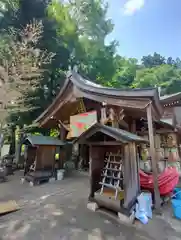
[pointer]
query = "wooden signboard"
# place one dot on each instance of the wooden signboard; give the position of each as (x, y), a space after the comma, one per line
(81, 122)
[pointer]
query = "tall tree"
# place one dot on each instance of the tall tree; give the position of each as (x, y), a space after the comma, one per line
(26, 11)
(23, 65)
(170, 61)
(84, 26)
(178, 63)
(97, 58)
(165, 76)
(153, 60)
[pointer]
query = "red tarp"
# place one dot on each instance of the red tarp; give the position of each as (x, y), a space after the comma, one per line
(167, 180)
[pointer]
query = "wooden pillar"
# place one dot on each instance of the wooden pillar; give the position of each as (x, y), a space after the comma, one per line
(153, 158)
(133, 126)
(102, 114)
(91, 173)
(97, 163)
(131, 181)
(133, 130)
(63, 134)
(90, 160)
(178, 144)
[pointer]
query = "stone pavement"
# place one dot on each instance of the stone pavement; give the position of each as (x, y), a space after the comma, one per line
(58, 210)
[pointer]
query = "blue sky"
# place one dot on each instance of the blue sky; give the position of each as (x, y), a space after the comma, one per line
(146, 26)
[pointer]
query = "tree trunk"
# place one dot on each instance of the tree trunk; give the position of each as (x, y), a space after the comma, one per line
(12, 148)
(18, 148)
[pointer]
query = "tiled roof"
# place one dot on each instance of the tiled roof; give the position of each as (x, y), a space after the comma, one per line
(118, 134)
(43, 140)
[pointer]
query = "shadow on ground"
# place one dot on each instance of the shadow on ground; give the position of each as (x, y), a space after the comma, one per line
(58, 211)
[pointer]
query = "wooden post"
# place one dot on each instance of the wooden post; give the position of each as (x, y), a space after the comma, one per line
(126, 175)
(136, 156)
(153, 158)
(62, 133)
(91, 175)
(90, 161)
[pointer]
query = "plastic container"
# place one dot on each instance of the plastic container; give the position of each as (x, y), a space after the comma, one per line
(177, 193)
(60, 174)
(140, 215)
(143, 218)
(145, 203)
(176, 205)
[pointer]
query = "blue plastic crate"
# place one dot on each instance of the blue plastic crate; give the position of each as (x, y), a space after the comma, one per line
(177, 193)
(176, 205)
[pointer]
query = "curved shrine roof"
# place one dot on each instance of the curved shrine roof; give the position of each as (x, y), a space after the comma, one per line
(78, 86)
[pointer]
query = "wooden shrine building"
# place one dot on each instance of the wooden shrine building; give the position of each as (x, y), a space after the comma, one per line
(40, 157)
(172, 115)
(172, 109)
(114, 167)
(116, 108)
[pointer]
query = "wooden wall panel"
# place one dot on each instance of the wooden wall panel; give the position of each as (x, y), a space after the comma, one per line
(168, 112)
(177, 112)
(130, 175)
(45, 156)
(31, 155)
(96, 165)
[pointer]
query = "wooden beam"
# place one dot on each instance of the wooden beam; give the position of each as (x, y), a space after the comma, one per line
(154, 114)
(159, 131)
(133, 126)
(63, 125)
(103, 119)
(135, 184)
(153, 158)
(125, 103)
(90, 161)
(70, 97)
(124, 124)
(63, 132)
(126, 175)
(105, 143)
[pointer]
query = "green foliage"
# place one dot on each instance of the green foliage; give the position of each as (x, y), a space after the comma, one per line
(54, 132)
(166, 76)
(82, 28)
(153, 61)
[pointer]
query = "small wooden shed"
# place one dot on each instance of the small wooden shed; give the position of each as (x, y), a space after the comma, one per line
(113, 167)
(40, 152)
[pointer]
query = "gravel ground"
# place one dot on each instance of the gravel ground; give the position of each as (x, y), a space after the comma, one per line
(58, 210)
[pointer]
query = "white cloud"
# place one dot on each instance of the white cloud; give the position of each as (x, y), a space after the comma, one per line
(131, 6)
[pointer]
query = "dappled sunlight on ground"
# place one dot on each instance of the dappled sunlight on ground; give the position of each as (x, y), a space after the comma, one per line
(16, 229)
(58, 211)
